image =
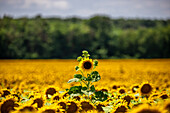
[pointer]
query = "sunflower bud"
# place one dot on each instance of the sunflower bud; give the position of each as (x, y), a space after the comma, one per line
(85, 53)
(79, 58)
(77, 68)
(95, 62)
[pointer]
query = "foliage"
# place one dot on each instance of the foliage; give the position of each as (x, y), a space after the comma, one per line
(64, 38)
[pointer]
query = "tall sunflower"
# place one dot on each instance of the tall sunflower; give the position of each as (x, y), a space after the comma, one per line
(86, 65)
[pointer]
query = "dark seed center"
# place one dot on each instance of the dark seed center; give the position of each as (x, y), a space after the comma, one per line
(146, 88)
(87, 65)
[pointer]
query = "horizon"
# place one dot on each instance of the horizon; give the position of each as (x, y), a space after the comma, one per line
(83, 18)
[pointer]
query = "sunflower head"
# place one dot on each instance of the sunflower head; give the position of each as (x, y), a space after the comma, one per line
(146, 89)
(167, 105)
(77, 98)
(145, 108)
(99, 107)
(122, 90)
(39, 102)
(128, 98)
(86, 65)
(49, 111)
(50, 90)
(62, 104)
(56, 97)
(121, 108)
(72, 107)
(5, 93)
(8, 105)
(27, 108)
(114, 87)
(164, 96)
(85, 106)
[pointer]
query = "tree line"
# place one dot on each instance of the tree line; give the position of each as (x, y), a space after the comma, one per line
(65, 38)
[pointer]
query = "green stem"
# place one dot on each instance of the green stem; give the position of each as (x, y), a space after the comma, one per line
(81, 83)
(81, 72)
(83, 76)
(84, 82)
(88, 88)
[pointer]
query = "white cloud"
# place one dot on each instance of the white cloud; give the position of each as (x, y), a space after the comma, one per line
(85, 8)
(47, 4)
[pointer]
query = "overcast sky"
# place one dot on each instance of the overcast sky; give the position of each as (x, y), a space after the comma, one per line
(159, 9)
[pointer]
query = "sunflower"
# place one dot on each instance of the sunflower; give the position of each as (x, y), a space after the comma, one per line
(53, 108)
(64, 96)
(167, 105)
(134, 88)
(39, 102)
(56, 97)
(76, 98)
(121, 90)
(91, 111)
(115, 87)
(104, 90)
(8, 105)
(72, 107)
(128, 98)
(145, 108)
(27, 108)
(5, 93)
(62, 103)
(99, 106)
(146, 89)
(164, 96)
(13, 96)
(50, 91)
(49, 111)
(86, 65)
(121, 108)
(86, 106)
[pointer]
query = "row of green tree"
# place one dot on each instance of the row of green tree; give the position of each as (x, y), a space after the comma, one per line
(102, 36)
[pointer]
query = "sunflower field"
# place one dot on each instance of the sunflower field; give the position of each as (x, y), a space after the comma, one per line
(85, 85)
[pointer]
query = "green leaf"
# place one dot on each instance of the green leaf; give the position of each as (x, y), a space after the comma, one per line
(95, 76)
(84, 78)
(92, 88)
(73, 80)
(84, 88)
(79, 76)
(99, 95)
(67, 89)
(89, 78)
(76, 68)
(75, 90)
